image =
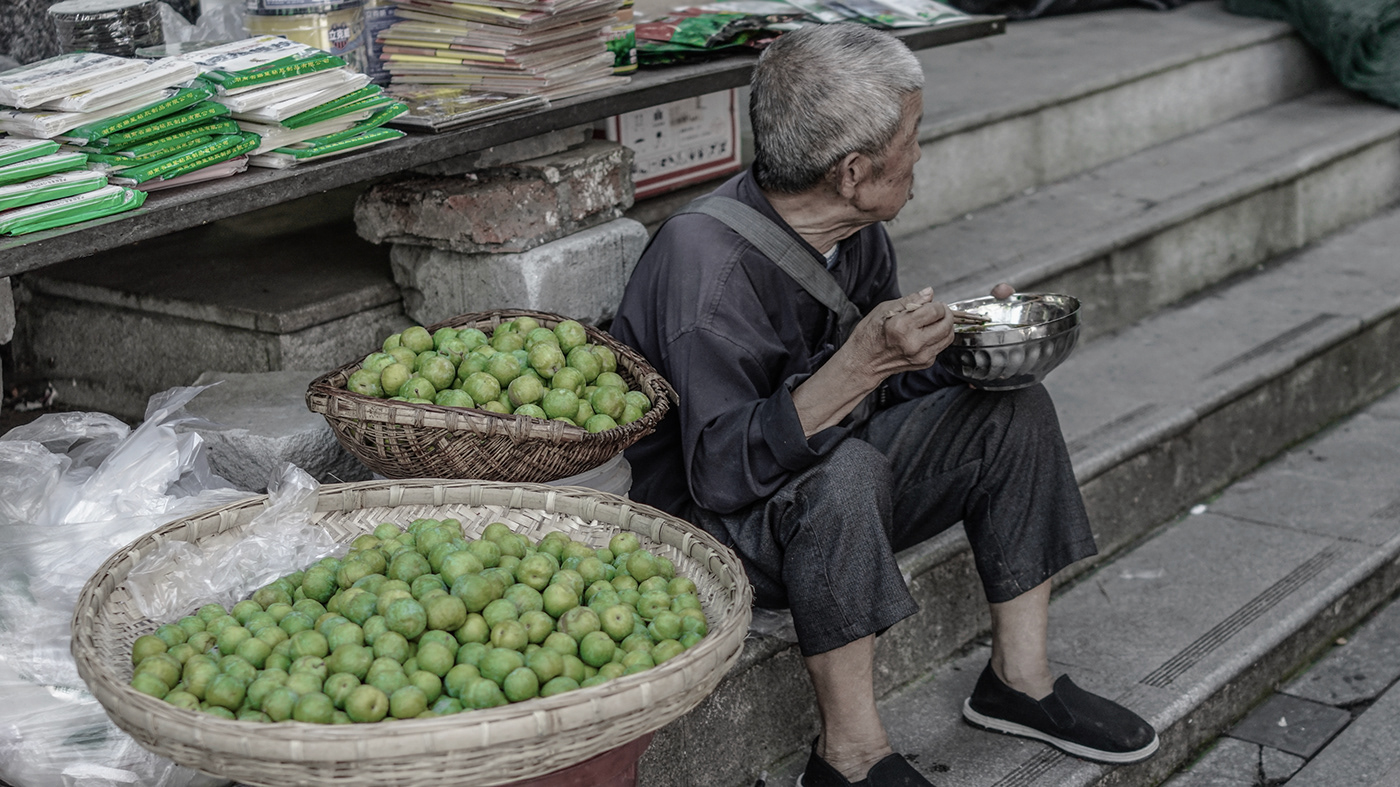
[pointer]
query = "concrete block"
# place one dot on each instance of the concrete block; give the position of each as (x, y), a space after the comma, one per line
(510, 152)
(7, 311)
(261, 421)
(103, 358)
(506, 209)
(1365, 752)
(1287, 723)
(581, 275)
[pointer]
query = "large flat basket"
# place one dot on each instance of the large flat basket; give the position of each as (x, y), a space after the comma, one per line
(477, 747)
(405, 440)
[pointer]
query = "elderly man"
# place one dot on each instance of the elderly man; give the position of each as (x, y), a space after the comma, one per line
(817, 442)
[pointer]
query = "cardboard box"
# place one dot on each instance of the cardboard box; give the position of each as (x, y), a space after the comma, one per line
(679, 144)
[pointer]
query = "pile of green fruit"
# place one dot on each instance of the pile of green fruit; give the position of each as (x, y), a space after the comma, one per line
(423, 623)
(522, 368)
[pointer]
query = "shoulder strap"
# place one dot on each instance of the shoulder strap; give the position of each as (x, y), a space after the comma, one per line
(784, 251)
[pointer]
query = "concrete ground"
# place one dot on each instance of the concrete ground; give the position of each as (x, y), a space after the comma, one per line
(1336, 723)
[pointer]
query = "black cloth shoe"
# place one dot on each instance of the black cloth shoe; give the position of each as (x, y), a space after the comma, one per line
(893, 771)
(1071, 719)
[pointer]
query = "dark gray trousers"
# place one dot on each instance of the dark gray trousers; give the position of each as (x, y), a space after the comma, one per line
(824, 545)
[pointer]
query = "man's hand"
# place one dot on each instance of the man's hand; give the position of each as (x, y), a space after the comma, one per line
(905, 334)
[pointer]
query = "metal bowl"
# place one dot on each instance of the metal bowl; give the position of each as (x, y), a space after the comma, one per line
(1029, 334)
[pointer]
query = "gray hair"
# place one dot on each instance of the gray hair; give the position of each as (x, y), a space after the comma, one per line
(822, 92)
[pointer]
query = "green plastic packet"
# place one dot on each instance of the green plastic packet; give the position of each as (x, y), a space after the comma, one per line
(155, 169)
(374, 121)
(250, 143)
(70, 210)
(276, 71)
(50, 187)
(91, 133)
(30, 169)
(197, 115)
(148, 151)
(120, 160)
(13, 151)
(334, 107)
(281, 158)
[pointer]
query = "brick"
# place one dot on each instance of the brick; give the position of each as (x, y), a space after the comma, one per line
(506, 209)
(581, 276)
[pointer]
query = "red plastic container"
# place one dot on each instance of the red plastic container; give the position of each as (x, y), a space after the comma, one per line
(616, 768)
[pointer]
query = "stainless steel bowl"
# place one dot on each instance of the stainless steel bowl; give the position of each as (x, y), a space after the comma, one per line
(1029, 334)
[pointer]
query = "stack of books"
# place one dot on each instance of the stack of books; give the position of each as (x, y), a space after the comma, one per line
(547, 48)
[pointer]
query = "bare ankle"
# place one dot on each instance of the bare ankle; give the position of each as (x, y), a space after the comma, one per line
(1034, 683)
(854, 758)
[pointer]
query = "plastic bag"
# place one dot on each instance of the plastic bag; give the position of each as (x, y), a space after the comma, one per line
(180, 577)
(74, 488)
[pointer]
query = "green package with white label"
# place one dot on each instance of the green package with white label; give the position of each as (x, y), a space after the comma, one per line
(70, 210)
(30, 169)
(91, 133)
(199, 114)
(155, 169)
(173, 143)
(13, 151)
(283, 158)
(364, 98)
(249, 143)
(49, 188)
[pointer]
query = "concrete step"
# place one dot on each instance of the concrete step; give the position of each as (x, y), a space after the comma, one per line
(1059, 96)
(1143, 232)
(1191, 627)
(1157, 416)
(1063, 95)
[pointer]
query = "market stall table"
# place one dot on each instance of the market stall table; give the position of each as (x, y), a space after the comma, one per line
(178, 209)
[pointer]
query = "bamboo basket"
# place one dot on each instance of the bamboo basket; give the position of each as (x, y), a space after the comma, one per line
(478, 747)
(403, 440)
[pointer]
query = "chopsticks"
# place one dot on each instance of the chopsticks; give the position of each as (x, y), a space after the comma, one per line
(969, 318)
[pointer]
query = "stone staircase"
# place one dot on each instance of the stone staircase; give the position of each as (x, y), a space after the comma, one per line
(1224, 212)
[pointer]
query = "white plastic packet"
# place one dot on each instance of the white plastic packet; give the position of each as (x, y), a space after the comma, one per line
(74, 488)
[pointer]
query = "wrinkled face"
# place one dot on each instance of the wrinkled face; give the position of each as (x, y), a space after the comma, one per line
(884, 196)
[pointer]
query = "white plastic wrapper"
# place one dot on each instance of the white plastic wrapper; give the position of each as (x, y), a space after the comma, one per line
(75, 488)
(180, 577)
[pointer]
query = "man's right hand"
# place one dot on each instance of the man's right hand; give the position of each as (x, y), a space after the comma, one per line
(902, 335)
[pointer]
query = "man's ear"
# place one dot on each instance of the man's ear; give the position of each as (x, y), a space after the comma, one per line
(852, 171)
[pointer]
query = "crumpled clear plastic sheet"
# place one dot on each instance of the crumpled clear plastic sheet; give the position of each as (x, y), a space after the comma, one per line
(75, 488)
(179, 577)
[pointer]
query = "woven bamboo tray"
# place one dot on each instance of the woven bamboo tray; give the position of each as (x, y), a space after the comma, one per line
(402, 440)
(479, 747)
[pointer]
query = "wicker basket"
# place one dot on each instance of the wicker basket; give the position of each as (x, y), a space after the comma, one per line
(479, 747)
(402, 440)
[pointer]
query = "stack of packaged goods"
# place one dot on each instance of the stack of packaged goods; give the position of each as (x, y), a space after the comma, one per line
(42, 188)
(548, 48)
(296, 102)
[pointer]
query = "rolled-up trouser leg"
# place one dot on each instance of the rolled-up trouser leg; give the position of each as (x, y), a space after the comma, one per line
(998, 462)
(821, 547)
